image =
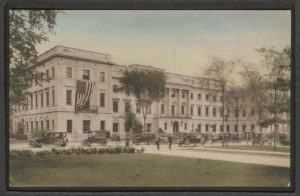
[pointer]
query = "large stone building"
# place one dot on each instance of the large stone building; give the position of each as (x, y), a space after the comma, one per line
(191, 103)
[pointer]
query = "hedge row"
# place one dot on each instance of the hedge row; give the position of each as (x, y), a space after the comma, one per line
(115, 150)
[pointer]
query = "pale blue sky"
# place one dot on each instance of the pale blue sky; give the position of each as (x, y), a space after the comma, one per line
(150, 37)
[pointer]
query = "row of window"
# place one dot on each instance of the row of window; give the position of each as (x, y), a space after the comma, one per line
(86, 126)
(85, 74)
(236, 111)
(199, 96)
(44, 125)
(40, 99)
(214, 127)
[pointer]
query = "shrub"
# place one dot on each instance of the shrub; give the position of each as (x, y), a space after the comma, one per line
(27, 153)
(21, 137)
(101, 150)
(53, 150)
(42, 153)
(94, 150)
(131, 150)
(117, 150)
(68, 152)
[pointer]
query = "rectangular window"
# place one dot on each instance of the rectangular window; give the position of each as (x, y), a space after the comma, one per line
(214, 112)
(235, 128)
(244, 113)
(102, 77)
(185, 126)
(183, 94)
(192, 110)
(221, 98)
(173, 109)
(148, 127)
(42, 100)
(102, 125)
(206, 111)
(173, 93)
(36, 101)
(36, 125)
(192, 96)
(102, 99)
(47, 74)
(69, 126)
(244, 128)
(227, 128)
(53, 72)
(228, 112)
(214, 98)
(221, 112)
(48, 125)
(115, 127)
(206, 127)
(252, 128)
(69, 72)
(115, 88)
(31, 101)
(214, 128)
(207, 97)
(199, 128)
(221, 128)
(199, 96)
(53, 97)
(27, 127)
(69, 97)
(182, 110)
(252, 112)
(86, 74)
(236, 112)
(199, 111)
(138, 109)
(42, 125)
(86, 126)
(127, 106)
(166, 126)
(31, 124)
(47, 98)
(115, 106)
(53, 125)
(162, 108)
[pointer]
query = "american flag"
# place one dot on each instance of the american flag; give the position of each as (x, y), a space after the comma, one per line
(84, 90)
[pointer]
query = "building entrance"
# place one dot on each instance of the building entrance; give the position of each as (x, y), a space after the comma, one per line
(175, 127)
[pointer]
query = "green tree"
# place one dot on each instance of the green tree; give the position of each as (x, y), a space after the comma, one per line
(146, 85)
(278, 64)
(256, 93)
(221, 70)
(27, 28)
(132, 124)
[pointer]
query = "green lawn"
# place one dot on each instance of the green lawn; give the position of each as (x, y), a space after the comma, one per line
(139, 170)
(257, 147)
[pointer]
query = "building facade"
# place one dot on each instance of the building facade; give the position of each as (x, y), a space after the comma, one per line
(190, 103)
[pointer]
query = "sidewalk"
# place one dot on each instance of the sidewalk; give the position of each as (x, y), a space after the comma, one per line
(241, 157)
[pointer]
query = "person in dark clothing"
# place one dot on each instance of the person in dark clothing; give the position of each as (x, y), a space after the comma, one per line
(157, 142)
(170, 142)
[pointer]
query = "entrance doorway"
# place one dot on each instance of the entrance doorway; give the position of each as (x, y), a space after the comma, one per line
(175, 127)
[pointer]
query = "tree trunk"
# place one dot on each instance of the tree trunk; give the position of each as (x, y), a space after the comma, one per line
(261, 136)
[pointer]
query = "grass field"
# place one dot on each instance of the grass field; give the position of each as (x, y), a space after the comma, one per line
(139, 170)
(257, 147)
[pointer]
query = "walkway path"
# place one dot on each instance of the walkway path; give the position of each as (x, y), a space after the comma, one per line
(274, 159)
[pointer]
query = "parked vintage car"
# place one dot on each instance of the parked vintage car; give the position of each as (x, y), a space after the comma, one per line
(98, 137)
(146, 138)
(188, 138)
(49, 138)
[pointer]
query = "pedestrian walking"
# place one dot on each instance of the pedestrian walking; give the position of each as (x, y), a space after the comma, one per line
(157, 140)
(170, 142)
